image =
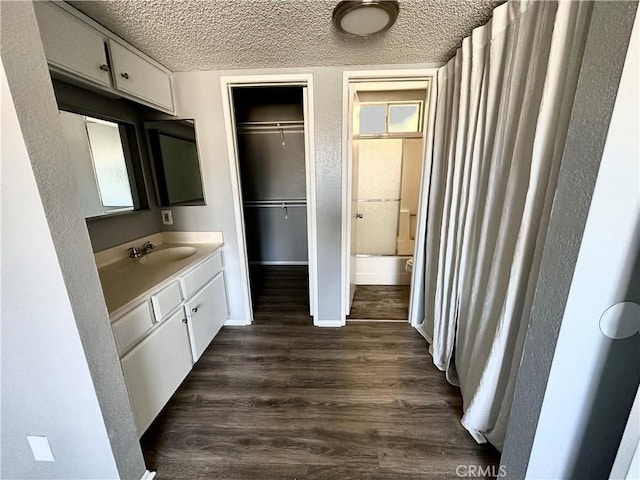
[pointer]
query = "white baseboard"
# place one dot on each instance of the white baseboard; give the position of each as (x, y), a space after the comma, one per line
(148, 475)
(329, 323)
(236, 322)
(373, 320)
(280, 262)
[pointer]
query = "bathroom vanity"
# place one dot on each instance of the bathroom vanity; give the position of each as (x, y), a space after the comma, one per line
(126, 146)
(165, 309)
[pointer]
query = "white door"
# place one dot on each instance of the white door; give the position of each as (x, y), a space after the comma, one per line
(354, 112)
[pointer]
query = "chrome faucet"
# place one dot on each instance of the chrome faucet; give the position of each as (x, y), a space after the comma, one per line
(135, 252)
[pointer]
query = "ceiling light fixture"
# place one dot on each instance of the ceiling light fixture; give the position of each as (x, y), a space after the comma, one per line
(363, 18)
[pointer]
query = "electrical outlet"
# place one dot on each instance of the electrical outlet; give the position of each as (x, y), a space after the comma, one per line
(167, 218)
(40, 447)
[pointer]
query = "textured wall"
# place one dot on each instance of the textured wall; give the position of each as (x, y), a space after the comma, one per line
(41, 396)
(595, 95)
(32, 92)
(582, 441)
(199, 96)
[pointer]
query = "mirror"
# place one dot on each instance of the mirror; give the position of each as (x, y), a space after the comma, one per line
(107, 170)
(176, 165)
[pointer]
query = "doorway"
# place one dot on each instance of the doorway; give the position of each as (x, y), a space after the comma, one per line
(271, 138)
(387, 126)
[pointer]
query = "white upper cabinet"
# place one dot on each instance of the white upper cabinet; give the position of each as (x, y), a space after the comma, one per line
(72, 45)
(134, 75)
(78, 48)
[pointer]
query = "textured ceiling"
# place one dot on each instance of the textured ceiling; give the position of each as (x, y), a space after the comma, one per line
(191, 35)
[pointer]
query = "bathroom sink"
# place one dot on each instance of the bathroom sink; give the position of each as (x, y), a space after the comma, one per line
(168, 255)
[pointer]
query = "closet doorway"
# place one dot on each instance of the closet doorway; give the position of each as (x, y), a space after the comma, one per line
(275, 198)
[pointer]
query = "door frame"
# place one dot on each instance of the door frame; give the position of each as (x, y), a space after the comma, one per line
(227, 83)
(429, 75)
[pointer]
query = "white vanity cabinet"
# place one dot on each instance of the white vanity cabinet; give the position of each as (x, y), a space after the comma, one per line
(160, 338)
(156, 367)
(80, 50)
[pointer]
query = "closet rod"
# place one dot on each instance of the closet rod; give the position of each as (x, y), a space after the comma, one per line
(275, 203)
(269, 129)
(284, 200)
(281, 205)
(284, 125)
(273, 122)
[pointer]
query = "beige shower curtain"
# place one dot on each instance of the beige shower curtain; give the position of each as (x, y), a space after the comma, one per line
(503, 108)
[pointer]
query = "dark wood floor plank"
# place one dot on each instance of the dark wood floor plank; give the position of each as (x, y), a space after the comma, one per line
(380, 302)
(280, 295)
(204, 470)
(282, 399)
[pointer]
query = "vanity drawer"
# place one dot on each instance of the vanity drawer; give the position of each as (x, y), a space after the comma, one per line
(131, 327)
(166, 300)
(198, 277)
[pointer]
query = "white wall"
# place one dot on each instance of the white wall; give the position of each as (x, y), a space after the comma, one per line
(45, 376)
(603, 271)
(40, 336)
(199, 96)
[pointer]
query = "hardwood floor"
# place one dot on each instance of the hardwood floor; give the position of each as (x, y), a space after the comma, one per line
(280, 294)
(286, 400)
(380, 302)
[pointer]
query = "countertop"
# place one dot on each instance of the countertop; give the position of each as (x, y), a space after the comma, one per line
(127, 281)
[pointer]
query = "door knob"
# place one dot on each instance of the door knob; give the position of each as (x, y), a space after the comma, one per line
(358, 215)
(125, 75)
(104, 67)
(194, 310)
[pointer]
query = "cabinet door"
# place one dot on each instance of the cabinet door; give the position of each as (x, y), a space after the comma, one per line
(71, 45)
(136, 76)
(207, 313)
(154, 369)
